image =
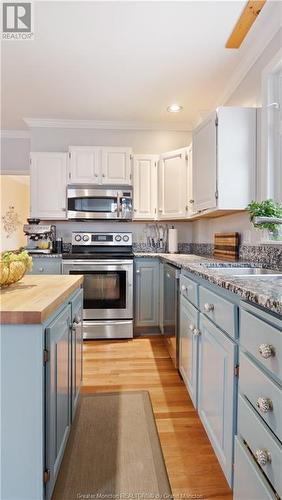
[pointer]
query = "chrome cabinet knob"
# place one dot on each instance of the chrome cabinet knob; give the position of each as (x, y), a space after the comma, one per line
(96, 175)
(137, 271)
(191, 201)
(183, 288)
(41, 269)
(208, 307)
(191, 327)
(196, 332)
(264, 404)
(262, 457)
(266, 351)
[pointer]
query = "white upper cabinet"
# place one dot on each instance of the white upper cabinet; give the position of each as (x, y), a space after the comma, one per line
(116, 165)
(84, 165)
(189, 189)
(100, 165)
(145, 186)
(224, 160)
(173, 184)
(48, 181)
(204, 165)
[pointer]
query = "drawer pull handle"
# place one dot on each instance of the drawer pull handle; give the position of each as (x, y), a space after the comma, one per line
(264, 405)
(262, 457)
(266, 351)
(208, 307)
(191, 327)
(196, 332)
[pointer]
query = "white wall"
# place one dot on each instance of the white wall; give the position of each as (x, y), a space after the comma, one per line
(248, 93)
(142, 141)
(15, 155)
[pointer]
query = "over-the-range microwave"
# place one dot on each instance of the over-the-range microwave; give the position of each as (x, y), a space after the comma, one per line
(86, 203)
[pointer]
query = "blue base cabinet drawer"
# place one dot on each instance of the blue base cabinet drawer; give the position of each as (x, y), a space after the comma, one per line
(188, 347)
(262, 341)
(222, 312)
(46, 265)
(249, 482)
(217, 391)
(189, 289)
(263, 445)
(262, 392)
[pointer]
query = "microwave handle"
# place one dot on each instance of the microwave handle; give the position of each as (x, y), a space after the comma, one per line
(118, 205)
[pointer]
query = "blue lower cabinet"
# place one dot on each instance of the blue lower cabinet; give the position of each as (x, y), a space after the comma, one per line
(249, 481)
(58, 393)
(217, 391)
(146, 292)
(46, 265)
(76, 348)
(188, 347)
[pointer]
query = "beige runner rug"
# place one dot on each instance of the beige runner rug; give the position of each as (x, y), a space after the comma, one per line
(113, 451)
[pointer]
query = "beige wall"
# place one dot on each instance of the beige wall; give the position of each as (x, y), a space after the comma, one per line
(14, 191)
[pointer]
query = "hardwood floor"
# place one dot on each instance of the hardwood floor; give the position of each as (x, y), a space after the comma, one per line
(144, 363)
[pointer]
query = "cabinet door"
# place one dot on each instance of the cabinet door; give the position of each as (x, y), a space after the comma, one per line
(58, 393)
(161, 297)
(189, 191)
(116, 165)
(145, 186)
(85, 165)
(172, 185)
(204, 165)
(48, 182)
(146, 285)
(76, 348)
(188, 347)
(216, 391)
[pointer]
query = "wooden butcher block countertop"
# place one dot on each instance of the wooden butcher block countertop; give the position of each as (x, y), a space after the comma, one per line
(34, 298)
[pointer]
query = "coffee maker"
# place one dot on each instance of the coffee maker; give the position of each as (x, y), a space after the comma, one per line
(41, 238)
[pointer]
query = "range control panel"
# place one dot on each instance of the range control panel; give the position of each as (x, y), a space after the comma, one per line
(101, 239)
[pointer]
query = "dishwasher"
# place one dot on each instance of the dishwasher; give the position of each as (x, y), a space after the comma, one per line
(171, 310)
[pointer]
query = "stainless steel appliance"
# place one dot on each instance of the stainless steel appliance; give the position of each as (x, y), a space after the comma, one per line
(170, 320)
(41, 238)
(85, 202)
(106, 261)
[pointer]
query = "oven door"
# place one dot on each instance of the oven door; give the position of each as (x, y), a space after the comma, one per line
(93, 203)
(108, 292)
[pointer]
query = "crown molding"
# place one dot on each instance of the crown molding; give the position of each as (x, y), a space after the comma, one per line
(15, 134)
(104, 125)
(269, 22)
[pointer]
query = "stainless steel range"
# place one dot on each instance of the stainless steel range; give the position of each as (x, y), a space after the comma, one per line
(106, 261)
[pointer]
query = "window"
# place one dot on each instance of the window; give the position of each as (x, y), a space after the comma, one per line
(270, 182)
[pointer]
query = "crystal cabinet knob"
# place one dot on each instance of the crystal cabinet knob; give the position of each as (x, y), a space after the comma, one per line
(208, 307)
(266, 351)
(264, 404)
(196, 332)
(263, 457)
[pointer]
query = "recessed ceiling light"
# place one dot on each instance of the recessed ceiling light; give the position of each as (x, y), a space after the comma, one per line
(174, 108)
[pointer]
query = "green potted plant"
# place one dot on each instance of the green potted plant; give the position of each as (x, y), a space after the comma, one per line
(267, 209)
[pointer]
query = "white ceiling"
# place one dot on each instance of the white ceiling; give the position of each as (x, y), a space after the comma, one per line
(121, 61)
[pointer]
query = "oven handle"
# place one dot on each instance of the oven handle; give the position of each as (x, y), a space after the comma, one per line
(118, 203)
(92, 263)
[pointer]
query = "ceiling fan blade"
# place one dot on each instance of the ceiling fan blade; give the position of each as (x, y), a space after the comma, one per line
(244, 23)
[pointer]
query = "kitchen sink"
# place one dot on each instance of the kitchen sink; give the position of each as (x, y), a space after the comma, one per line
(246, 271)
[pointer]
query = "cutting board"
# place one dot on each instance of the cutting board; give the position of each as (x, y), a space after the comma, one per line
(226, 246)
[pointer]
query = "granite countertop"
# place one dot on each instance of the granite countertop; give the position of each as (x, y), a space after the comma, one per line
(265, 291)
